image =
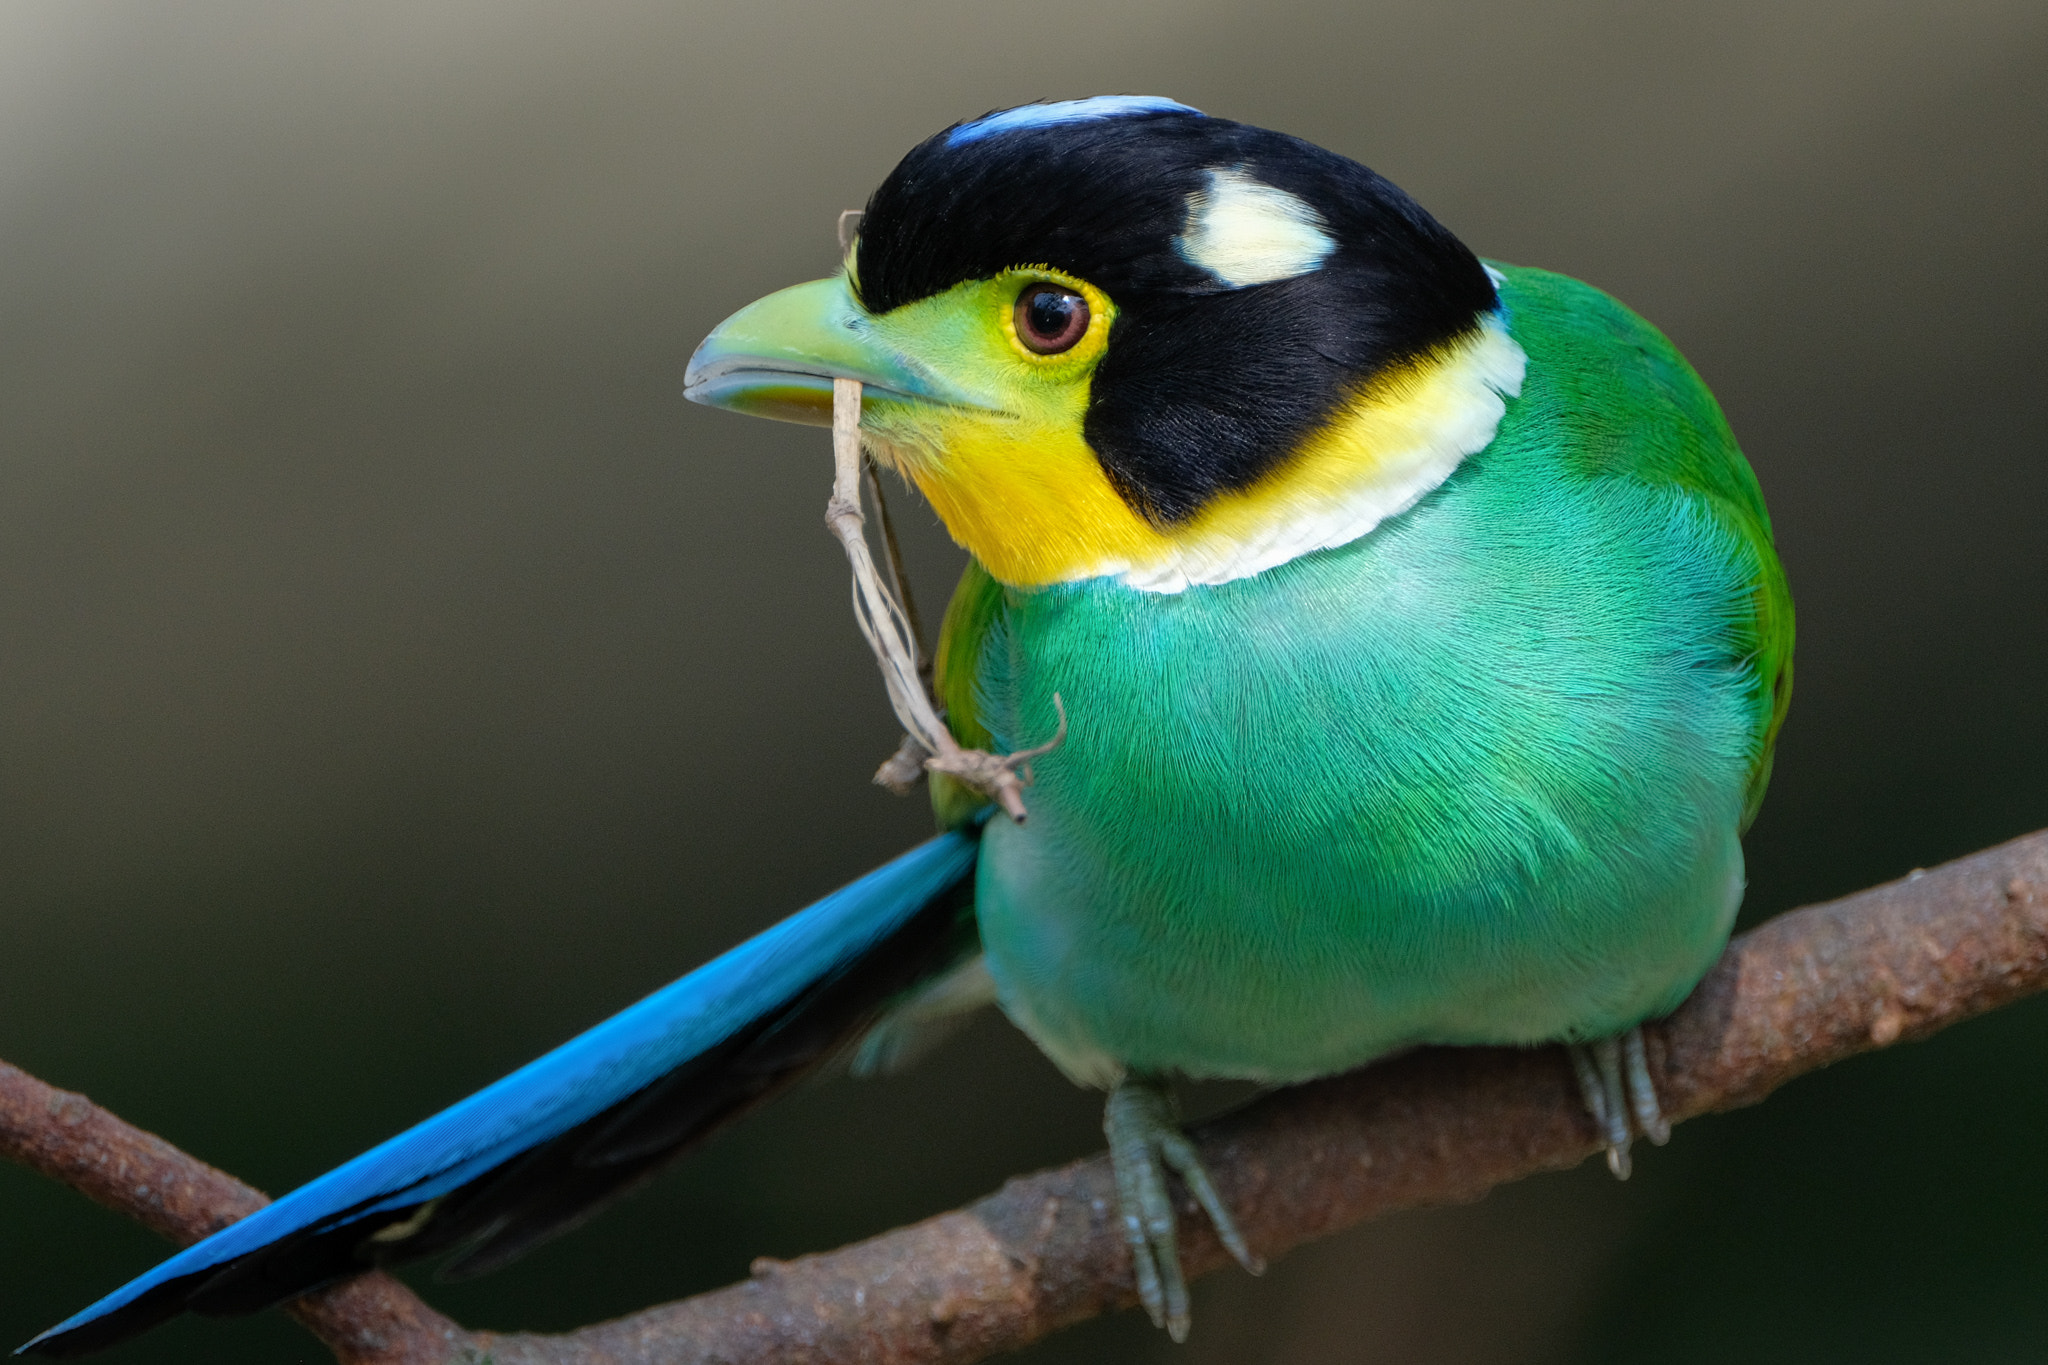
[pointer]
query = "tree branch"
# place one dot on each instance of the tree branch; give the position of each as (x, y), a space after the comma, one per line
(370, 1320)
(1437, 1126)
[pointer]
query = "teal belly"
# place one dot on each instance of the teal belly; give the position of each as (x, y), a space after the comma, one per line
(1475, 778)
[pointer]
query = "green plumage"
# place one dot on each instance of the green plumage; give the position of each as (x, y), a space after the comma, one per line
(1477, 777)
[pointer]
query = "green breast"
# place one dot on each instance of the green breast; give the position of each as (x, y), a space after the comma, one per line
(1477, 777)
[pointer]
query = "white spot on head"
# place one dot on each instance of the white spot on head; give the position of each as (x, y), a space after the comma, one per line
(1064, 111)
(1245, 232)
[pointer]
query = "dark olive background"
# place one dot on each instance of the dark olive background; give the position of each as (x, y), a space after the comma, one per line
(396, 675)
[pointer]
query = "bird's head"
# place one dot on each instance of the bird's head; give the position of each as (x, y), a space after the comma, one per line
(1118, 337)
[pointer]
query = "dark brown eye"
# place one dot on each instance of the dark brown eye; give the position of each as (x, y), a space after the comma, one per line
(1050, 318)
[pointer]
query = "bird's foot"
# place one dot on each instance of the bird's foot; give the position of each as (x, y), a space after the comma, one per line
(1614, 1081)
(1145, 1140)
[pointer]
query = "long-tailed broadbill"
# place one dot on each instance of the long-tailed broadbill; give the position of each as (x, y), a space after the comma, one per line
(1419, 630)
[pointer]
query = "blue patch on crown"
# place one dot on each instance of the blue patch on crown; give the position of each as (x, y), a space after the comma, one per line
(1065, 111)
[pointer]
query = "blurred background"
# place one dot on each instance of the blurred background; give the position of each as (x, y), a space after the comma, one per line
(397, 676)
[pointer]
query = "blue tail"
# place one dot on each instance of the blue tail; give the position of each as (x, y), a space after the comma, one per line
(544, 1148)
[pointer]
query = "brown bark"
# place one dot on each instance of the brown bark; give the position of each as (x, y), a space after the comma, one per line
(1439, 1126)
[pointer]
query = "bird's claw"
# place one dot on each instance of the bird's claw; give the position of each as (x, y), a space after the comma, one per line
(1614, 1081)
(1144, 1142)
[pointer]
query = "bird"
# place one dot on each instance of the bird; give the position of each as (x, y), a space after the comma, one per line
(1420, 641)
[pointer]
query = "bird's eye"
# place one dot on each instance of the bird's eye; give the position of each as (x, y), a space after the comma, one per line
(1050, 318)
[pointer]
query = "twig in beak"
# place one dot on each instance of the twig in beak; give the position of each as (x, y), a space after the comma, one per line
(889, 633)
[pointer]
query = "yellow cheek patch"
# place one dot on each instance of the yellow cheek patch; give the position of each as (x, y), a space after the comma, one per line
(1012, 478)
(1031, 503)
(1027, 497)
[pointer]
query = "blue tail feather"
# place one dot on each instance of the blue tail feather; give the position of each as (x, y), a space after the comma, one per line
(538, 1151)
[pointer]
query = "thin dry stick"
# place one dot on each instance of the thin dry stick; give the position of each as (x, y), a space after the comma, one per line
(899, 582)
(1438, 1126)
(1002, 778)
(901, 771)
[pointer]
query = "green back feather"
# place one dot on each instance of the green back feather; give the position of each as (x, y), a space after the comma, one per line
(1612, 360)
